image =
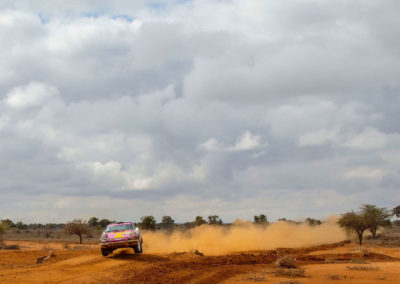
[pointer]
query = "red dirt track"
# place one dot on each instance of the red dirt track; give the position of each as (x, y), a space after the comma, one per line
(86, 265)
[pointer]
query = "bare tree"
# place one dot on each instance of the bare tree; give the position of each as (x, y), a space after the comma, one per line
(77, 227)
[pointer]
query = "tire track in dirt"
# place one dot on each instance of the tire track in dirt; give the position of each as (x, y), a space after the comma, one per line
(55, 272)
(88, 266)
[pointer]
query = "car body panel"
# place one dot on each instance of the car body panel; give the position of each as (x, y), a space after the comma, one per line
(122, 237)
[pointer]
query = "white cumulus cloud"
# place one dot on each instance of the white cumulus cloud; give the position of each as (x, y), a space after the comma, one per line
(30, 95)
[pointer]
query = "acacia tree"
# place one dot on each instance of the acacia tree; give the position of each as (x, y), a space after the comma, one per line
(199, 221)
(396, 211)
(104, 223)
(8, 223)
(313, 222)
(147, 223)
(167, 222)
(375, 217)
(2, 230)
(260, 219)
(356, 222)
(77, 227)
(21, 226)
(214, 220)
(93, 221)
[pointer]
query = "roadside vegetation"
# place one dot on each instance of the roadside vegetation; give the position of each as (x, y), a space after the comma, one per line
(368, 219)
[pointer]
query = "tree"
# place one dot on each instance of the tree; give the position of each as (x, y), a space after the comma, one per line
(93, 221)
(356, 222)
(375, 217)
(3, 229)
(104, 223)
(167, 222)
(147, 223)
(77, 227)
(260, 219)
(199, 221)
(48, 227)
(396, 211)
(214, 220)
(20, 226)
(8, 223)
(312, 222)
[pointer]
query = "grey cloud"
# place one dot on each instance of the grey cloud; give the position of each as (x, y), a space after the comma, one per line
(263, 107)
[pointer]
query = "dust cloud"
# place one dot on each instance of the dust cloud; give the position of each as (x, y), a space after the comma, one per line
(243, 236)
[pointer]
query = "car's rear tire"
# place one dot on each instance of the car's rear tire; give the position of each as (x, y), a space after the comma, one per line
(105, 251)
(138, 247)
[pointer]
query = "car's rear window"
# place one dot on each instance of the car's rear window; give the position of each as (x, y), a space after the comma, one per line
(119, 227)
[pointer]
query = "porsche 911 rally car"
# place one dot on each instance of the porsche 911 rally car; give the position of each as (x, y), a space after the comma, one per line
(121, 235)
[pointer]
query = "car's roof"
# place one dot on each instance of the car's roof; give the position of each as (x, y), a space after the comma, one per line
(121, 223)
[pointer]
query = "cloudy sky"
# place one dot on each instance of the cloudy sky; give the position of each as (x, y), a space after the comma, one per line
(120, 109)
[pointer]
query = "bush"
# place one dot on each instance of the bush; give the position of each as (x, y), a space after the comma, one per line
(291, 282)
(292, 273)
(286, 261)
(336, 277)
(11, 247)
(363, 268)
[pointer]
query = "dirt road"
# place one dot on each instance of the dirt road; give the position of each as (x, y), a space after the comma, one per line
(322, 264)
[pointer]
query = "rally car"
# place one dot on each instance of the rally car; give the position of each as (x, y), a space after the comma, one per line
(121, 235)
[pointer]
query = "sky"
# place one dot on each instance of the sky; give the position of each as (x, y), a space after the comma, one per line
(120, 109)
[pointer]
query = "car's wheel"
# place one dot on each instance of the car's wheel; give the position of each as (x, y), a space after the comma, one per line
(138, 247)
(105, 251)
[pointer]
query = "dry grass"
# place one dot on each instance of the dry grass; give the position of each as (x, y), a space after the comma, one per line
(359, 261)
(290, 272)
(46, 248)
(336, 277)
(51, 235)
(80, 247)
(291, 282)
(363, 268)
(255, 277)
(11, 247)
(390, 237)
(332, 260)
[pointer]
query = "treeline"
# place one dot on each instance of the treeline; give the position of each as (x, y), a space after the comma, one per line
(369, 217)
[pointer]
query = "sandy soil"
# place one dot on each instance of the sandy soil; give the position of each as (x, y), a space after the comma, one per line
(84, 264)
